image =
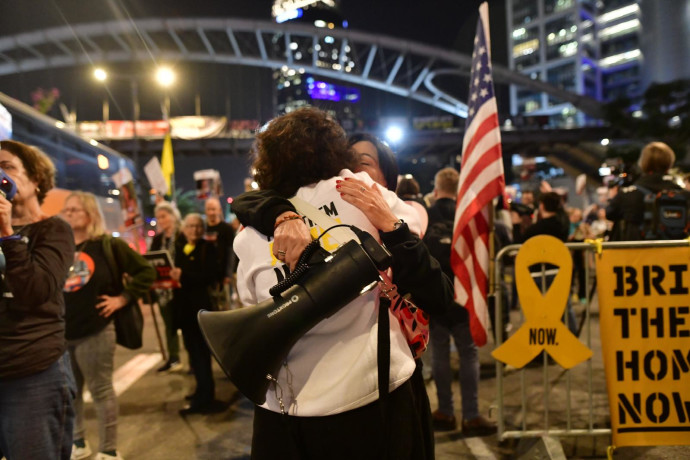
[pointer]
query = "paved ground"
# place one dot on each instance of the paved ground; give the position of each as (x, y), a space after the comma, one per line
(150, 427)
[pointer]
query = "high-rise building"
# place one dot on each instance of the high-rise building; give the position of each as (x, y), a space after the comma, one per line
(596, 48)
(296, 88)
(545, 41)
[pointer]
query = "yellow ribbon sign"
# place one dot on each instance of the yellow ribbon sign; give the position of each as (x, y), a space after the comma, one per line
(645, 339)
(543, 328)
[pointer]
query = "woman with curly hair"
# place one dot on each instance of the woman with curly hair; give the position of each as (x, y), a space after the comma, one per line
(36, 383)
(325, 400)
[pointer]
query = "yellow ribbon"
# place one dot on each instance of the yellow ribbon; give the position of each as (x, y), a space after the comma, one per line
(609, 452)
(543, 328)
(597, 243)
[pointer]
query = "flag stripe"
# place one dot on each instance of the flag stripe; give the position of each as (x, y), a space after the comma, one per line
(480, 130)
(481, 179)
(487, 158)
(486, 116)
(472, 201)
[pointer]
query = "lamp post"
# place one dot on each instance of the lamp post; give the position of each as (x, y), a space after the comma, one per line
(165, 78)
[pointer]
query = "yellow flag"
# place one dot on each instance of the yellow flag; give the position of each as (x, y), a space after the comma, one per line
(167, 163)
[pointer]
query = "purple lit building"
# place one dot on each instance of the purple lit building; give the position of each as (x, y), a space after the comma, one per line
(294, 88)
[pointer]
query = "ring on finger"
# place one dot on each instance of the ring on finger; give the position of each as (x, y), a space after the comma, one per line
(281, 253)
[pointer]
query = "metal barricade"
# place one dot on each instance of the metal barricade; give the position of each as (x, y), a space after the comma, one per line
(571, 426)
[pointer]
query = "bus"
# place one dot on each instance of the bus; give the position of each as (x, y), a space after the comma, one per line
(81, 164)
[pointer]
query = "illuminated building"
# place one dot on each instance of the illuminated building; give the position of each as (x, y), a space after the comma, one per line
(595, 48)
(294, 87)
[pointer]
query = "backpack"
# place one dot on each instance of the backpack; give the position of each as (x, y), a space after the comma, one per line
(438, 238)
(665, 215)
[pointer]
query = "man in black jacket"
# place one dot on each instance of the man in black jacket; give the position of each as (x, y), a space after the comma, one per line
(221, 234)
(438, 240)
(626, 208)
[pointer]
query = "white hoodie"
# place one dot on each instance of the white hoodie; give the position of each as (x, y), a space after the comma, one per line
(333, 366)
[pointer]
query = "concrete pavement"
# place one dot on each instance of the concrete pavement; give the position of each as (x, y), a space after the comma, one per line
(151, 428)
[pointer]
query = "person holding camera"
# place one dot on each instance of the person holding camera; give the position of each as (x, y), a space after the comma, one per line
(626, 208)
(36, 382)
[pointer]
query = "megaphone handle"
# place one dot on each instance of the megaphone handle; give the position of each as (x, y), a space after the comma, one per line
(302, 267)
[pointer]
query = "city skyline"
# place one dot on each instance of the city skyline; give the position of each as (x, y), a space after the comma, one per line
(241, 89)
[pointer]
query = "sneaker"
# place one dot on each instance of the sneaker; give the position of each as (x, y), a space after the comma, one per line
(104, 456)
(478, 426)
(170, 365)
(443, 422)
(81, 453)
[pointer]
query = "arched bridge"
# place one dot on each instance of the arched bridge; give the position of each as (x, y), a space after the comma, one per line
(389, 64)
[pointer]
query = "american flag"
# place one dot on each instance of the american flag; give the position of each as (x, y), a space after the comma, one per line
(481, 179)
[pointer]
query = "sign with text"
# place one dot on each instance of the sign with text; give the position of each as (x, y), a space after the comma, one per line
(154, 174)
(645, 330)
(543, 329)
(162, 262)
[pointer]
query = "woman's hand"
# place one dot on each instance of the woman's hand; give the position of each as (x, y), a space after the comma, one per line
(5, 217)
(176, 273)
(289, 240)
(370, 201)
(110, 304)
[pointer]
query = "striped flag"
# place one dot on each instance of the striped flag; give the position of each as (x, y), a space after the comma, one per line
(167, 163)
(481, 179)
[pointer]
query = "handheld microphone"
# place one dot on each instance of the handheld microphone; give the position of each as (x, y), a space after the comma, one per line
(7, 186)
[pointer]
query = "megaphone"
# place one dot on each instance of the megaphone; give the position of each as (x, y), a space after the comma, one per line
(251, 343)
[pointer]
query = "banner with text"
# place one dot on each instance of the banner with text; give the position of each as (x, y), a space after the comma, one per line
(645, 325)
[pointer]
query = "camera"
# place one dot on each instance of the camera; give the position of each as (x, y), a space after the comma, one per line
(7, 186)
(521, 209)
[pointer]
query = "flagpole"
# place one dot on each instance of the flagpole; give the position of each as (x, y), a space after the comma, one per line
(481, 180)
(492, 264)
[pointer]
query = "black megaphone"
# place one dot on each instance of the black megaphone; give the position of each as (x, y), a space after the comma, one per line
(251, 343)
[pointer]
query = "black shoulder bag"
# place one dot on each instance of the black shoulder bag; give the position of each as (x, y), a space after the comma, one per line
(129, 321)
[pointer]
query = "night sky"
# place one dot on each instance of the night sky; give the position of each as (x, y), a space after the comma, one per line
(445, 23)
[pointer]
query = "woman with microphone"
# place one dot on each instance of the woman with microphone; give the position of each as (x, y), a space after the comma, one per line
(36, 383)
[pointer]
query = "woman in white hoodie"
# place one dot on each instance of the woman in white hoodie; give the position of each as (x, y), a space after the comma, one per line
(324, 403)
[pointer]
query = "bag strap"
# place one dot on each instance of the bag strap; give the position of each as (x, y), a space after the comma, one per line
(107, 244)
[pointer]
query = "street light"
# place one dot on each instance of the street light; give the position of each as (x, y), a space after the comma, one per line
(394, 134)
(165, 77)
(100, 74)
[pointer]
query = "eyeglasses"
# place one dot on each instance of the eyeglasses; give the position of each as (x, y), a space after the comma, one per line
(194, 225)
(71, 210)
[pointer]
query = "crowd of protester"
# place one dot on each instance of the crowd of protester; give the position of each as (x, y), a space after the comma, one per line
(60, 291)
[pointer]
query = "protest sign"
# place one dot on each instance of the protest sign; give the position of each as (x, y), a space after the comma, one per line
(645, 325)
(543, 329)
(162, 262)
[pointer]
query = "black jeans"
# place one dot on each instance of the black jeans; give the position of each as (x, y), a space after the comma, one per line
(200, 360)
